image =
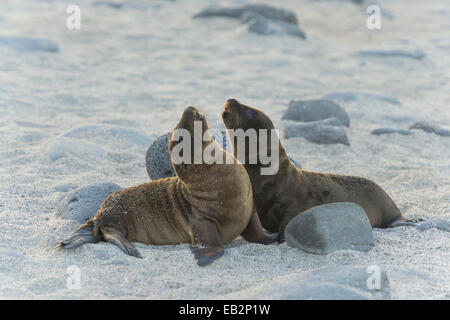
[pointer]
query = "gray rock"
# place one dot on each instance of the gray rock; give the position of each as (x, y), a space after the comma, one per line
(328, 131)
(266, 11)
(330, 227)
(314, 110)
(432, 128)
(23, 44)
(440, 224)
(157, 159)
(331, 283)
(264, 26)
(347, 96)
(81, 204)
(417, 55)
(381, 131)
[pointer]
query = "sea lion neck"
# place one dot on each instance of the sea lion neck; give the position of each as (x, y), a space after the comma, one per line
(284, 168)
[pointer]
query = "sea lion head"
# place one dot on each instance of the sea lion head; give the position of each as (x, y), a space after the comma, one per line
(243, 121)
(192, 121)
(189, 117)
(188, 140)
(236, 115)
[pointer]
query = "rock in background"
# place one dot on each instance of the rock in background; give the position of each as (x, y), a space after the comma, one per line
(259, 18)
(381, 131)
(417, 54)
(330, 227)
(266, 11)
(261, 25)
(82, 203)
(321, 121)
(431, 128)
(328, 131)
(315, 110)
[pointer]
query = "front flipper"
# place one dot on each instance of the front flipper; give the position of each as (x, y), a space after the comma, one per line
(283, 223)
(208, 243)
(254, 231)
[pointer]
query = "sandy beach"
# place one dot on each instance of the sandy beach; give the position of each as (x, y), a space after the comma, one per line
(86, 111)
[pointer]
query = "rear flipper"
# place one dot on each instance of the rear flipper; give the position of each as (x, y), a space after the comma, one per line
(85, 234)
(254, 232)
(208, 243)
(82, 235)
(268, 239)
(117, 238)
(402, 221)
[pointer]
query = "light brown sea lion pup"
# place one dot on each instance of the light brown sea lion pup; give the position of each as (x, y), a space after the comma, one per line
(290, 191)
(207, 205)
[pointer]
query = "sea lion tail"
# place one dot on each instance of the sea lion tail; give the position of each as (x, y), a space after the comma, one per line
(83, 234)
(400, 221)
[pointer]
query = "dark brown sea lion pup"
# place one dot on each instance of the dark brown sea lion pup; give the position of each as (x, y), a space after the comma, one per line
(280, 197)
(207, 205)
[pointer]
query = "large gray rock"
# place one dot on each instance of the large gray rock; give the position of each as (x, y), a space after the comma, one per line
(23, 44)
(330, 227)
(81, 204)
(381, 131)
(264, 26)
(331, 283)
(432, 128)
(266, 11)
(328, 131)
(314, 110)
(157, 159)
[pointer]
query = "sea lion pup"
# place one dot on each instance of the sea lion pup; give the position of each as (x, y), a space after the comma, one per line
(281, 196)
(207, 205)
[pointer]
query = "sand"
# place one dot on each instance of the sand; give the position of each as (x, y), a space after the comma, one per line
(131, 71)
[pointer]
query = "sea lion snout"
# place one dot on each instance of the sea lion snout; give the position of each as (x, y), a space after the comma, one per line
(230, 113)
(231, 102)
(232, 106)
(236, 115)
(190, 115)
